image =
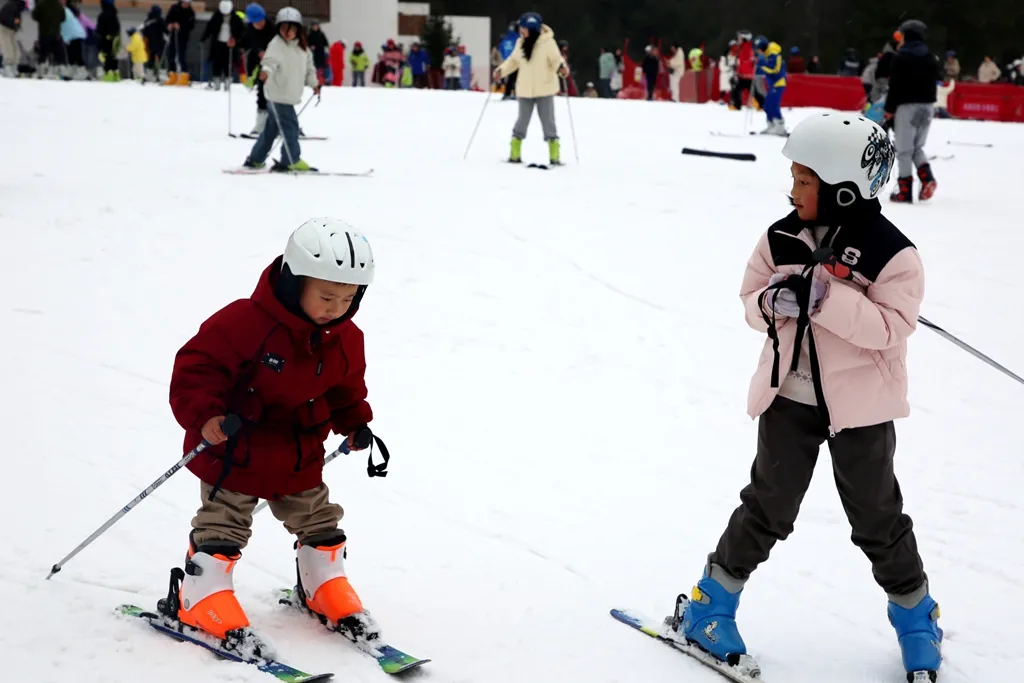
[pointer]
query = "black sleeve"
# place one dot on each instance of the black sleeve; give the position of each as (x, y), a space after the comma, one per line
(897, 84)
(237, 28)
(190, 20)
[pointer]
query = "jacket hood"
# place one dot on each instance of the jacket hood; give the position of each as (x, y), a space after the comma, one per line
(773, 49)
(915, 47)
(277, 292)
(155, 12)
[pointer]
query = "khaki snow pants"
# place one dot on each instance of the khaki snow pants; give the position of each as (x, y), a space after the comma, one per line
(310, 515)
(9, 47)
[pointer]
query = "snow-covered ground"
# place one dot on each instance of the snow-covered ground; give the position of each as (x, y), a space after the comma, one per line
(558, 362)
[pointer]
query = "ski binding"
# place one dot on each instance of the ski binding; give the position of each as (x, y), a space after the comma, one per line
(362, 633)
(222, 648)
(740, 668)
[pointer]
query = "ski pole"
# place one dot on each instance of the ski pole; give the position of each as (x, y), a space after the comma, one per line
(363, 438)
(280, 138)
(229, 426)
(572, 126)
(968, 348)
(478, 121)
(231, 78)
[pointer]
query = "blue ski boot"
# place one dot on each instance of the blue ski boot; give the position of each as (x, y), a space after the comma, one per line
(920, 638)
(708, 618)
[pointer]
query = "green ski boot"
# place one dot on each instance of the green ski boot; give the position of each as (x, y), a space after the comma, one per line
(516, 156)
(554, 152)
(301, 166)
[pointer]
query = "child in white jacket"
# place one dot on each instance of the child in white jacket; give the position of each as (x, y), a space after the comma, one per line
(286, 68)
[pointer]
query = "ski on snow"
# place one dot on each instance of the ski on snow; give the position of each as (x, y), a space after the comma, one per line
(390, 659)
(187, 634)
(266, 171)
(250, 136)
(745, 670)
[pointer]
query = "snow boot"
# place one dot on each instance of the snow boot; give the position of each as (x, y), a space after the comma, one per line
(904, 194)
(261, 122)
(326, 591)
(172, 78)
(554, 152)
(919, 636)
(928, 184)
(249, 163)
(184, 79)
(708, 618)
(516, 154)
(207, 599)
(10, 71)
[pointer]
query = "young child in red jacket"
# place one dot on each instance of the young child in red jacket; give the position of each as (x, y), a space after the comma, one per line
(289, 362)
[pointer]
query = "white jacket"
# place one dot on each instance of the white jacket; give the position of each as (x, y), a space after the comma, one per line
(289, 68)
(942, 94)
(678, 63)
(452, 66)
(726, 68)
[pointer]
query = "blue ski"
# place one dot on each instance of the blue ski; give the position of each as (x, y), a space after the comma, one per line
(745, 671)
(390, 659)
(187, 634)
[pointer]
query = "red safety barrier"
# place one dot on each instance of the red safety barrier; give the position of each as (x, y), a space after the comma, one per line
(845, 93)
(987, 101)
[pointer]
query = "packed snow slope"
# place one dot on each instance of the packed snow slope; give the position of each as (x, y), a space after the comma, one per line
(558, 362)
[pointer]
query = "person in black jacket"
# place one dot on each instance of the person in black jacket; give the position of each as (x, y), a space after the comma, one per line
(258, 34)
(154, 30)
(181, 19)
(319, 45)
(651, 67)
(108, 28)
(224, 30)
(10, 22)
(910, 105)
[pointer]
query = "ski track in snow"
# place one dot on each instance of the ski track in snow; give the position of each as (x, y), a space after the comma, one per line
(557, 361)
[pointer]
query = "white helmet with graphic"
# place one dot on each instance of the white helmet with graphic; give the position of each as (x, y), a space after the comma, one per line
(289, 15)
(332, 250)
(225, 6)
(844, 149)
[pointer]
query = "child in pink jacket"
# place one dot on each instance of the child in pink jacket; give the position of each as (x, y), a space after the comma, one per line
(837, 288)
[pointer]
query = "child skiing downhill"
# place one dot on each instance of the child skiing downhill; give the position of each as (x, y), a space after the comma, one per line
(289, 362)
(772, 66)
(538, 61)
(858, 310)
(287, 66)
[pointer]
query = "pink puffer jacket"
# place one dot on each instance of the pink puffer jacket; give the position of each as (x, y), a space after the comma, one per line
(875, 288)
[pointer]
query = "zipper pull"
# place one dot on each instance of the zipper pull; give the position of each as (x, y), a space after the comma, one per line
(319, 368)
(831, 432)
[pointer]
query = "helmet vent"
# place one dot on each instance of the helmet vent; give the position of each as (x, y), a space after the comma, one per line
(351, 250)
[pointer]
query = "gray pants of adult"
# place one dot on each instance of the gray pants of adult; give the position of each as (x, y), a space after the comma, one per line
(789, 435)
(912, 123)
(545, 109)
(9, 48)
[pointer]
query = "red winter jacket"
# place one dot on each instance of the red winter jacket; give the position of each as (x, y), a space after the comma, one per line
(290, 381)
(746, 61)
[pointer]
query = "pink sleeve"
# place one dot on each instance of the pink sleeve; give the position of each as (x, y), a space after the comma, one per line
(886, 314)
(760, 268)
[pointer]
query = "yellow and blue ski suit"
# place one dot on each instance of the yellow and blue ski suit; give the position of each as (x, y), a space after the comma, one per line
(772, 66)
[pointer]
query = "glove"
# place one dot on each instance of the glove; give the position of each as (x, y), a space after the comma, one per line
(784, 302)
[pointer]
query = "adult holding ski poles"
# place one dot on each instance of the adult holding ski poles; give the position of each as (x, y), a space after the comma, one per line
(181, 20)
(539, 64)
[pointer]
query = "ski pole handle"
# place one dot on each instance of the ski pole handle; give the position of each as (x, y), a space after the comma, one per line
(230, 426)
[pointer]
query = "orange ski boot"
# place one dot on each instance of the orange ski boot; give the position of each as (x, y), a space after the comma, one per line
(207, 599)
(326, 591)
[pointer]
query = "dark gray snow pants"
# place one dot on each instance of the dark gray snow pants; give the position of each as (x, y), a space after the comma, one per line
(789, 435)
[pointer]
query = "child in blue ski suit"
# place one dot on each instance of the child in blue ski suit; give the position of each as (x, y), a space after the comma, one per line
(772, 66)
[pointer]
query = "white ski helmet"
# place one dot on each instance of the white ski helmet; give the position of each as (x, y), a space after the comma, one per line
(289, 15)
(332, 250)
(225, 6)
(844, 149)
